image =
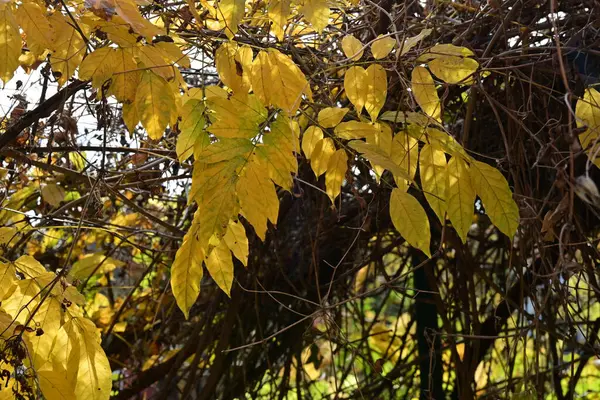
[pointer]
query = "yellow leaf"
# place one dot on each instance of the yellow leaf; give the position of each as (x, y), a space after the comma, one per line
(376, 86)
(236, 240)
(220, 266)
(125, 76)
(32, 19)
(94, 376)
(331, 116)
(460, 197)
(213, 188)
(29, 267)
(10, 43)
(130, 116)
(453, 70)
(54, 386)
(155, 102)
(174, 53)
(95, 263)
(425, 93)
(48, 318)
(444, 50)
(154, 59)
(278, 150)
(410, 219)
(186, 270)
(7, 233)
(53, 194)
(432, 166)
(233, 65)
(355, 85)
(317, 13)
(352, 47)
(382, 46)
(277, 81)
(336, 172)
(226, 149)
(257, 196)
(278, 11)
(379, 157)
(231, 13)
(321, 154)
(413, 41)
(98, 66)
(192, 138)
(405, 154)
(491, 186)
(128, 10)
(355, 130)
(587, 113)
(240, 116)
(311, 137)
(8, 278)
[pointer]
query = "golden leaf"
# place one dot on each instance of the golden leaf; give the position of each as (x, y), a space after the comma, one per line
(376, 87)
(277, 152)
(277, 81)
(331, 116)
(317, 13)
(425, 93)
(411, 42)
(220, 266)
(32, 19)
(231, 13)
(336, 172)
(382, 46)
(68, 49)
(352, 47)
(53, 194)
(257, 196)
(432, 167)
(311, 136)
(355, 85)
(321, 154)
(10, 43)
(491, 186)
(355, 130)
(236, 240)
(460, 197)
(155, 102)
(454, 70)
(278, 12)
(587, 113)
(192, 138)
(410, 220)
(186, 270)
(405, 154)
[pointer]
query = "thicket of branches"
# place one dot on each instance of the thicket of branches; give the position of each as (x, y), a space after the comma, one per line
(334, 295)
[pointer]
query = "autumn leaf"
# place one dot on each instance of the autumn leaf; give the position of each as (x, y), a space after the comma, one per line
(320, 156)
(316, 12)
(155, 103)
(355, 130)
(432, 167)
(331, 116)
(231, 12)
(425, 93)
(410, 220)
(587, 113)
(382, 46)
(220, 266)
(311, 137)
(352, 47)
(376, 89)
(356, 87)
(336, 172)
(32, 19)
(186, 270)
(491, 186)
(460, 197)
(10, 43)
